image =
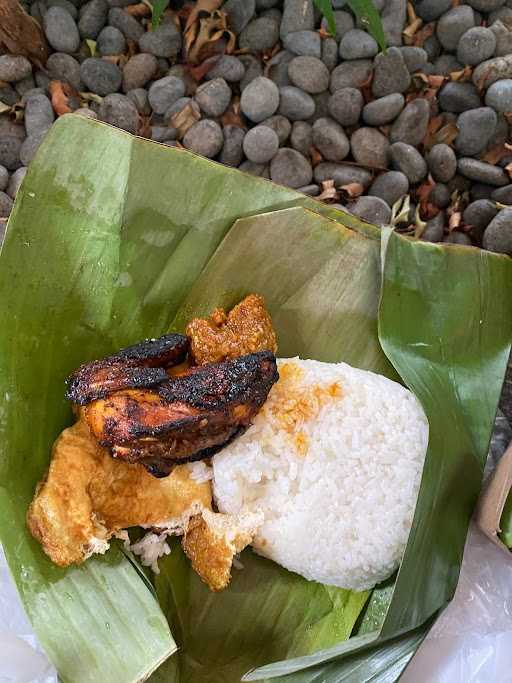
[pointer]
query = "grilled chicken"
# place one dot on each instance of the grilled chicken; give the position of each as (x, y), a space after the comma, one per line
(247, 328)
(141, 365)
(188, 417)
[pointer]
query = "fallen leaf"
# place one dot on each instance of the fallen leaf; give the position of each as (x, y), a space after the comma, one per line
(144, 127)
(199, 72)
(454, 221)
(462, 75)
(232, 116)
(60, 93)
(91, 44)
(420, 225)
(324, 32)
(508, 169)
(423, 193)
(366, 88)
(5, 108)
(201, 6)
(329, 192)
(400, 210)
(316, 157)
(445, 135)
(497, 153)
(184, 119)
(480, 84)
(414, 24)
(353, 189)
(118, 60)
(21, 34)
(421, 36)
(138, 10)
(212, 37)
(500, 205)
(90, 97)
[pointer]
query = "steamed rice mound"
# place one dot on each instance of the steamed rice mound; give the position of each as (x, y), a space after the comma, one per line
(334, 462)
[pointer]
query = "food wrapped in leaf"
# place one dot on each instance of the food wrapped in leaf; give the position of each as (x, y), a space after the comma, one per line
(112, 257)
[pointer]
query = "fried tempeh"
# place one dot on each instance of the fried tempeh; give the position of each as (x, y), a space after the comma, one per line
(247, 328)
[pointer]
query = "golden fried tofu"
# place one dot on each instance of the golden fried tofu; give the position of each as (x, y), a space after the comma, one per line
(87, 497)
(247, 328)
(212, 540)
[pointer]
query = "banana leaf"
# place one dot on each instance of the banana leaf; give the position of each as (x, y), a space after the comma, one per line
(113, 238)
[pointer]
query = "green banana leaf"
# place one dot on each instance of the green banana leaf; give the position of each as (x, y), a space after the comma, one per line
(114, 238)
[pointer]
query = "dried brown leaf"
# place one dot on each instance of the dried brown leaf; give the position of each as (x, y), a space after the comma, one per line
(212, 37)
(454, 221)
(444, 135)
(21, 34)
(329, 192)
(423, 192)
(316, 157)
(199, 8)
(508, 169)
(184, 119)
(497, 153)
(60, 93)
(232, 116)
(462, 75)
(421, 36)
(199, 72)
(138, 10)
(144, 127)
(353, 189)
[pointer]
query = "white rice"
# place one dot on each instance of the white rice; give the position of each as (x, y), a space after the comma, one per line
(150, 548)
(200, 472)
(337, 487)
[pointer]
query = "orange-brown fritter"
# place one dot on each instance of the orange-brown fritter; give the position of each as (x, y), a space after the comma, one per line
(247, 328)
(87, 496)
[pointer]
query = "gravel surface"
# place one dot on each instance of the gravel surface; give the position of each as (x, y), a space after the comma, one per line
(277, 96)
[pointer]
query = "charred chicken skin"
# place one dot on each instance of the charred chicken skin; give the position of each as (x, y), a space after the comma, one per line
(188, 417)
(141, 365)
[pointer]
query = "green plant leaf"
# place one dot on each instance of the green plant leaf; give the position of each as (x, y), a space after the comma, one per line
(157, 10)
(369, 17)
(506, 522)
(325, 6)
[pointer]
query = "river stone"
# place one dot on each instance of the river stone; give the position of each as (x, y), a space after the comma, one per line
(330, 140)
(259, 99)
(370, 147)
(453, 24)
(357, 44)
(458, 97)
(498, 234)
(492, 70)
(407, 159)
(351, 74)
(478, 215)
(239, 12)
(391, 73)
(295, 104)
(301, 137)
(307, 43)
(476, 45)
(281, 127)
(309, 73)
(442, 163)
(482, 172)
(411, 125)
(476, 127)
(345, 106)
(383, 110)
(371, 209)
(342, 174)
(290, 168)
(390, 187)
(298, 15)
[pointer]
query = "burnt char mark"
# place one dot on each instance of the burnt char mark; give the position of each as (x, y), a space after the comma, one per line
(137, 366)
(246, 379)
(162, 467)
(163, 351)
(83, 390)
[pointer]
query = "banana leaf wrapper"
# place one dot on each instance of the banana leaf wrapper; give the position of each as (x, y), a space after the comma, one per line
(114, 238)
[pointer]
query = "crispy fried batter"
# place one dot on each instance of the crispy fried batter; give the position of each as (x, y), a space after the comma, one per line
(212, 540)
(87, 496)
(247, 328)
